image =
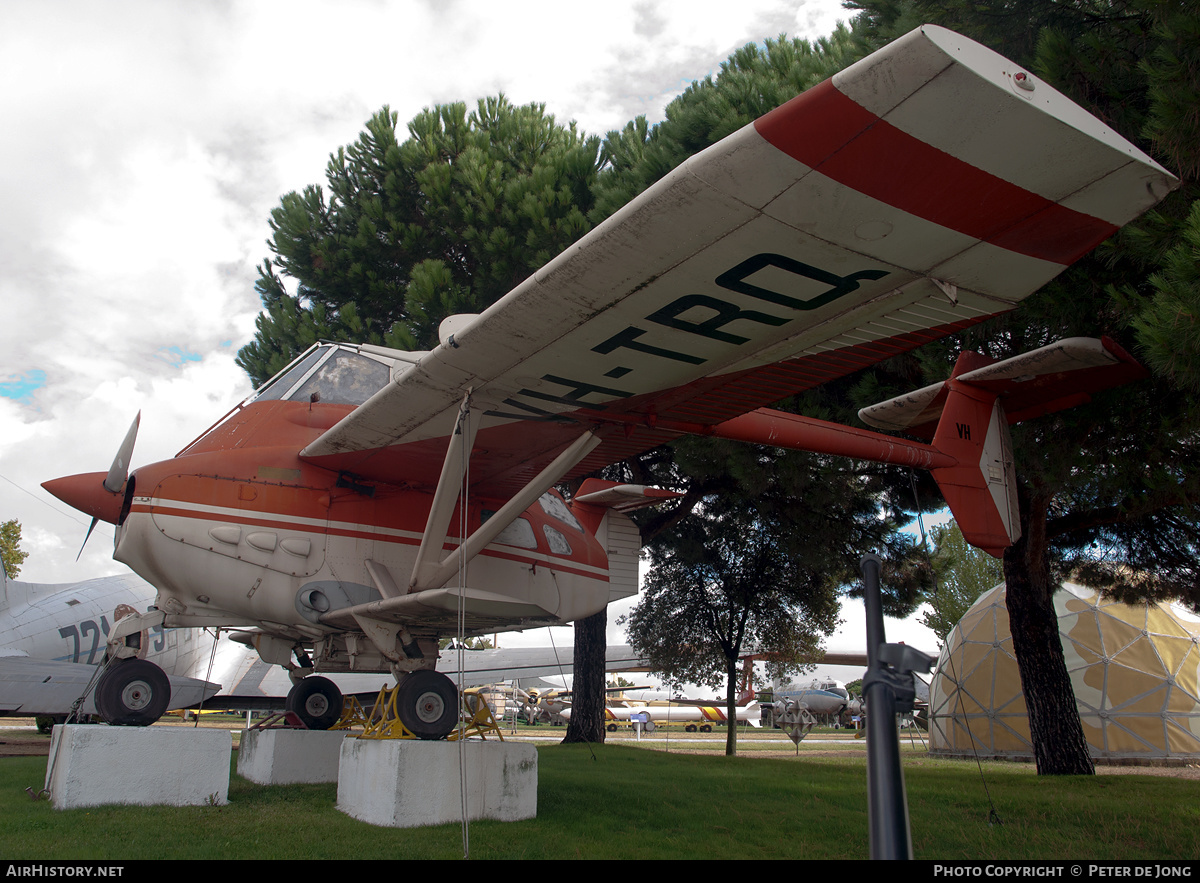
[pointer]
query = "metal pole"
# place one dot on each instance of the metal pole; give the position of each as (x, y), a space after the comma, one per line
(887, 804)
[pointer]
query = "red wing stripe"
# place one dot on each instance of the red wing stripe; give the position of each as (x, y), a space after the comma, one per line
(833, 134)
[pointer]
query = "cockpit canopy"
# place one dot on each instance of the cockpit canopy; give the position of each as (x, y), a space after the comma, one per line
(336, 373)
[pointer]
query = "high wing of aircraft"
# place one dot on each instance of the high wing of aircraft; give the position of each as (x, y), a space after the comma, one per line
(367, 501)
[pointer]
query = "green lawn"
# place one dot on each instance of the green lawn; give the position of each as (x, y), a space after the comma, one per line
(618, 801)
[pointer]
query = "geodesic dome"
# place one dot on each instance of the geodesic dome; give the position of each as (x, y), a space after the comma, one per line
(1135, 671)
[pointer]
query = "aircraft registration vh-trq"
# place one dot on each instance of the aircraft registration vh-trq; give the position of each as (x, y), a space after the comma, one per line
(366, 501)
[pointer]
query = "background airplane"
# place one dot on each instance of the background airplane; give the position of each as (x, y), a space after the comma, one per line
(52, 638)
(819, 696)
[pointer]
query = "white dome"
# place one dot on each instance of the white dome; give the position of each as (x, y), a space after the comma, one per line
(1135, 671)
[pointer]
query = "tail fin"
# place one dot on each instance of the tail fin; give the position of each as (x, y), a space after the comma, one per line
(967, 418)
(747, 694)
(981, 488)
(972, 411)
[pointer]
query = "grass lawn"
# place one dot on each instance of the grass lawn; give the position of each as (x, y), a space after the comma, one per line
(623, 801)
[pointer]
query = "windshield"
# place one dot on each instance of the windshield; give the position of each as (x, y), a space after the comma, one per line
(333, 374)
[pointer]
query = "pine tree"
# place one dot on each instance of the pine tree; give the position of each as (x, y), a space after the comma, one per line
(1109, 491)
(409, 232)
(963, 574)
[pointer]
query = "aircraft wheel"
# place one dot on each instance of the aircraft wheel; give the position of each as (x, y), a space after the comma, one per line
(317, 701)
(427, 703)
(132, 693)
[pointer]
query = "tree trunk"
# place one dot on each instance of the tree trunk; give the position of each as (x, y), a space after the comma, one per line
(587, 696)
(1059, 745)
(731, 678)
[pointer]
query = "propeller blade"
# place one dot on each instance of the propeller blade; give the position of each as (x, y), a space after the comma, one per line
(119, 471)
(91, 527)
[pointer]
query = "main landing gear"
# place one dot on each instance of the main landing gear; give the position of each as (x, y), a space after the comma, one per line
(316, 701)
(132, 693)
(426, 703)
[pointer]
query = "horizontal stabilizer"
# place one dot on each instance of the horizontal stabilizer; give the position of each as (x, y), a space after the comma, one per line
(967, 419)
(622, 497)
(1061, 375)
(40, 686)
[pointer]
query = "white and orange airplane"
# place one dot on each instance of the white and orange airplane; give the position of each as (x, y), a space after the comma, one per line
(366, 501)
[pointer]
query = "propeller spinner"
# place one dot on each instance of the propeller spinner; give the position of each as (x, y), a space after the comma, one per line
(99, 494)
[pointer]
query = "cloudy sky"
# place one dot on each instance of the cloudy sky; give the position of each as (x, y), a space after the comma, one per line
(145, 143)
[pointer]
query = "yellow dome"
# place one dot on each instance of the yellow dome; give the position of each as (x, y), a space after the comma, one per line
(1135, 671)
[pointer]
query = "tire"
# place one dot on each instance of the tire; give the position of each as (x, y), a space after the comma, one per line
(427, 703)
(316, 701)
(132, 693)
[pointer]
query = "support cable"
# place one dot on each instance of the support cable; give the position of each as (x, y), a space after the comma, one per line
(993, 815)
(461, 428)
(212, 659)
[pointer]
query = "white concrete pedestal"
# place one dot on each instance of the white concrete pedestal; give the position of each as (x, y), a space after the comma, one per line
(288, 757)
(405, 783)
(92, 765)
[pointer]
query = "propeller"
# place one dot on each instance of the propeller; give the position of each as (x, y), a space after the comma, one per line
(119, 471)
(98, 494)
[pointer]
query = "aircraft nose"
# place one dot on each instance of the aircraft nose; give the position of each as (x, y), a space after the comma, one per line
(86, 492)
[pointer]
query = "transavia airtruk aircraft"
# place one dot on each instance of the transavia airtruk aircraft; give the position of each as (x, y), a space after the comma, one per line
(367, 501)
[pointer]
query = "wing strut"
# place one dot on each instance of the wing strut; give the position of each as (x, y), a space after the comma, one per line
(435, 576)
(444, 498)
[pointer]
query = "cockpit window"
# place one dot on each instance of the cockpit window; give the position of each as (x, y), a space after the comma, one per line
(345, 378)
(281, 384)
(337, 376)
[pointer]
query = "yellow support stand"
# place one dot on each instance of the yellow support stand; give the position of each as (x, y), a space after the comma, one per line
(477, 718)
(352, 715)
(383, 722)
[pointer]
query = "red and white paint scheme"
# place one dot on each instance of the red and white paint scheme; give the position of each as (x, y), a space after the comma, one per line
(368, 501)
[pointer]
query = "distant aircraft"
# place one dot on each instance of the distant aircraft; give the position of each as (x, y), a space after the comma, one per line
(694, 714)
(820, 696)
(367, 501)
(255, 684)
(53, 637)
